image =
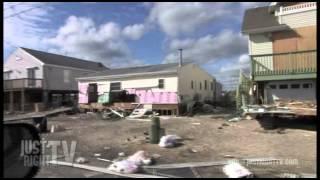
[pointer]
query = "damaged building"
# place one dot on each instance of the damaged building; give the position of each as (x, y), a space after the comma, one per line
(162, 88)
(36, 77)
(283, 49)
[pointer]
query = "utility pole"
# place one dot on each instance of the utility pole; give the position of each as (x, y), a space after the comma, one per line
(180, 61)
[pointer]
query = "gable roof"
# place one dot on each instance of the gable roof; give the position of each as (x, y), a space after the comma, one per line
(260, 19)
(158, 68)
(56, 59)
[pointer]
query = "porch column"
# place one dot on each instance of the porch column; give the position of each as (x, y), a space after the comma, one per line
(45, 95)
(22, 100)
(11, 101)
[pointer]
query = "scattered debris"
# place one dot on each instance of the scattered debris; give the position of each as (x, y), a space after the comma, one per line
(220, 127)
(121, 154)
(155, 156)
(106, 160)
(236, 170)
(235, 119)
(103, 170)
(225, 124)
(107, 148)
(193, 150)
(140, 158)
(97, 155)
(124, 166)
(82, 160)
(196, 123)
(56, 128)
(228, 156)
(169, 141)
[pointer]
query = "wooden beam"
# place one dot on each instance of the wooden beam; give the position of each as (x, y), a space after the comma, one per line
(102, 169)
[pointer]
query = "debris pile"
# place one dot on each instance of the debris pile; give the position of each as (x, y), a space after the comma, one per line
(169, 141)
(132, 164)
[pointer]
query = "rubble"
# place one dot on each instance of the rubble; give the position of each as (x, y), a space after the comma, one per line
(169, 141)
(236, 170)
(235, 119)
(82, 160)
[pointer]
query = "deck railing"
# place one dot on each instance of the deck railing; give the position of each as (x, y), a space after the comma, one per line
(300, 62)
(22, 83)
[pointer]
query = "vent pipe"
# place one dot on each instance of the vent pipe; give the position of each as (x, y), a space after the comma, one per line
(180, 60)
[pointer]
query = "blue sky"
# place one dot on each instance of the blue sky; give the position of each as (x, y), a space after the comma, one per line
(131, 34)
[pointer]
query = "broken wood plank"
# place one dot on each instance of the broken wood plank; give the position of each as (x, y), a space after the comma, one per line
(210, 163)
(102, 169)
(115, 112)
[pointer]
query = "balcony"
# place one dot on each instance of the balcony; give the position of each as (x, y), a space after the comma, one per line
(24, 83)
(284, 66)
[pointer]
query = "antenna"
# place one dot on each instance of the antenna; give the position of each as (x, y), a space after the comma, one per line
(180, 61)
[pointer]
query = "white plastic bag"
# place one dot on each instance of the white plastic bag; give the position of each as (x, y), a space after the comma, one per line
(169, 141)
(124, 166)
(140, 158)
(235, 170)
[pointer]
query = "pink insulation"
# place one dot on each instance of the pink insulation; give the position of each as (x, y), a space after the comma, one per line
(150, 97)
(83, 95)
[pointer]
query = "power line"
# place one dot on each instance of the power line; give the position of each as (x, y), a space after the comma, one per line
(15, 14)
(13, 6)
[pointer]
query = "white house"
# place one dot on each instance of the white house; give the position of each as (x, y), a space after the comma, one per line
(32, 76)
(162, 86)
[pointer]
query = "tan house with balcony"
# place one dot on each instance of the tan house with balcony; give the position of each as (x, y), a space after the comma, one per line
(32, 76)
(282, 46)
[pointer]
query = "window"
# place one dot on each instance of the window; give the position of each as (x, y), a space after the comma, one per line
(66, 76)
(283, 86)
(211, 85)
(31, 76)
(200, 86)
(115, 86)
(6, 75)
(307, 85)
(191, 84)
(273, 86)
(161, 83)
(205, 84)
(295, 86)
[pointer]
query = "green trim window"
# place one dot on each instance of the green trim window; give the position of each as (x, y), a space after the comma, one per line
(191, 84)
(200, 86)
(295, 86)
(161, 83)
(283, 86)
(116, 86)
(273, 86)
(307, 85)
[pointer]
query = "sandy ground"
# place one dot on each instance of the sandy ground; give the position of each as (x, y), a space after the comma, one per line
(244, 139)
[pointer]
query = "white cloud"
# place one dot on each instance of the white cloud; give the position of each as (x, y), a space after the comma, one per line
(177, 18)
(244, 59)
(225, 45)
(134, 32)
(81, 37)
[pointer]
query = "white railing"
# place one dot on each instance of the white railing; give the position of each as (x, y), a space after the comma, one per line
(298, 8)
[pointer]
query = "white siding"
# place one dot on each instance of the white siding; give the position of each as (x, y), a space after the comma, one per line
(260, 44)
(301, 19)
(19, 61)
(192, 72)
(170, 83)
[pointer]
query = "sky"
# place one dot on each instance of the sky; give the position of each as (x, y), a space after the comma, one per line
(135, 34)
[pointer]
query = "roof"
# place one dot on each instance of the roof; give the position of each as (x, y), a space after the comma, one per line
(260, 19)
(170, 68)
(56, 59)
